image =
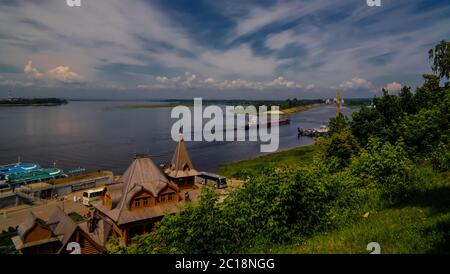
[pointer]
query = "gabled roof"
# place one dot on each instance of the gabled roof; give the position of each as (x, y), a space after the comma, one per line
(27, 224)
(141, 175)
(62, 225)
(181, 164)
(101, 232)
(156, 211)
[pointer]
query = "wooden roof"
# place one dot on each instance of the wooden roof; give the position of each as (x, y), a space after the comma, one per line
(28, 224)
(101, 232)
(60, 224)
(124, 216)
(181, 164)
(141, 175)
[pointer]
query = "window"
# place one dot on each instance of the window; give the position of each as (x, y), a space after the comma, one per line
(162, 198)
(170, 197)
(137, 203)
(146, 202)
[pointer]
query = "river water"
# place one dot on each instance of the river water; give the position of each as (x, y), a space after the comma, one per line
(99, 135)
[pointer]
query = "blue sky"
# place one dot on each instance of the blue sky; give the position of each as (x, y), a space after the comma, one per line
(216, 49)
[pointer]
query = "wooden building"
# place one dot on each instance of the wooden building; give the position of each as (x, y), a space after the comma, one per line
(36, 236)
(181, 171)
(142, 196)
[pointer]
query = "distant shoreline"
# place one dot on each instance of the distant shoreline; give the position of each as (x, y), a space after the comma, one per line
(293, 110)
(29, 105)
(25, 102)
(287, 111)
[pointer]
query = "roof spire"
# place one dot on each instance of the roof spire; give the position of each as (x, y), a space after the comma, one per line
(181, 164)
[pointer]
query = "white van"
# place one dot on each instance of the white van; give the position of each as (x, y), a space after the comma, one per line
(93, 196)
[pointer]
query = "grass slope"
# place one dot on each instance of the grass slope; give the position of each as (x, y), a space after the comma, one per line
(422, 225)
(300, 155)
(418, 227)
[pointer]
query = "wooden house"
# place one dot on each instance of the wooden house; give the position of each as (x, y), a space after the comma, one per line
(141, 197)
(36, 236)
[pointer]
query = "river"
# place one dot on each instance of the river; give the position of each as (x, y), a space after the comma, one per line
(99, 135)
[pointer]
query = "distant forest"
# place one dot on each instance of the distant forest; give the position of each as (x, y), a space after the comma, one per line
(32, 101)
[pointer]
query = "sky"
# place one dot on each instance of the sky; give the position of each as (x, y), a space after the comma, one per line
(227, 49)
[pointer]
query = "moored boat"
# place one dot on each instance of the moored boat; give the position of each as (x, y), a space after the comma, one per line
(16, 168)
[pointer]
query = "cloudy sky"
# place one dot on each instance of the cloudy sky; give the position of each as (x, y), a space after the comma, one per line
(216, 49)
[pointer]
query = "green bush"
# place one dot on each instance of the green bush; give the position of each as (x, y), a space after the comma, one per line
(385, 167)
(440, 157)
(274, 207)
(338, 149)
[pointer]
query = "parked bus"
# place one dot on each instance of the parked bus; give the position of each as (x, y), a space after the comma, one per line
(93, 196)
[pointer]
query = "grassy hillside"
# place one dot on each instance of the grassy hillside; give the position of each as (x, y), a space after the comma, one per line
(297, 156)
(421, 225)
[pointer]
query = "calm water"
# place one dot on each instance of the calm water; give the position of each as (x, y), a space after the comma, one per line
(98, 135)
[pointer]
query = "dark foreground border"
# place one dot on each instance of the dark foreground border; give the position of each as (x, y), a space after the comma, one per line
(129, 264)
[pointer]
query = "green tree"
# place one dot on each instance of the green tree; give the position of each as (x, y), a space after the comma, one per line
(385, 167)
(407, 100)
(339, 123)
(338, 149)
(440, 58)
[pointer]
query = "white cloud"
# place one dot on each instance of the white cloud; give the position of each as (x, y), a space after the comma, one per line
(64, 74)
(132, 35)
(60, 74)
(282, 83)
(280, 40)
(239, 61)
(260, 17)
(191, 80)
(31, 71)
(310, 86)
(208, 81)
(356, 83)
(394, 86)
(165, 80)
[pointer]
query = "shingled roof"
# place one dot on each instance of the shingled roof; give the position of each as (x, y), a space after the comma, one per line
(181, 164)
(62, 226)
(141, 175)
(28, 224)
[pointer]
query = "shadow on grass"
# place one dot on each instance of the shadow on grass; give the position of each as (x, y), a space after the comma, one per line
(437, 203)
(437, 200)
(441, 232)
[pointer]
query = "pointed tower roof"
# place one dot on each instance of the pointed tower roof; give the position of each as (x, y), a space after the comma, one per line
(181, 165)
